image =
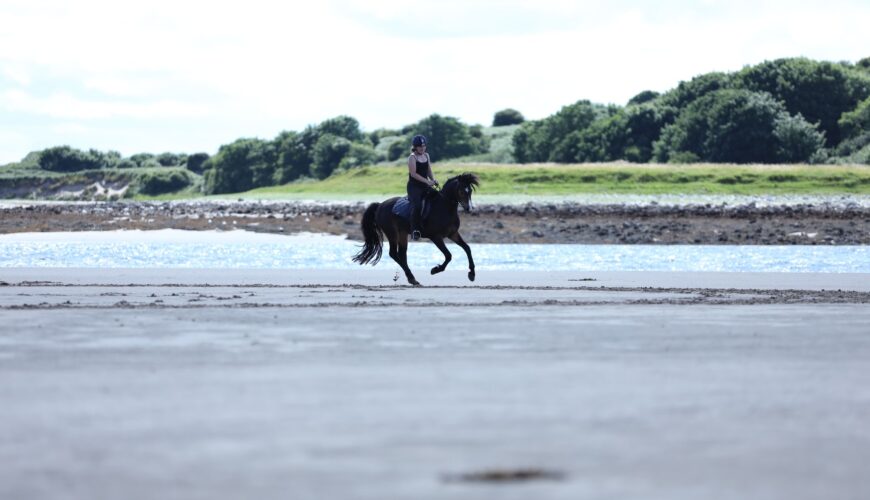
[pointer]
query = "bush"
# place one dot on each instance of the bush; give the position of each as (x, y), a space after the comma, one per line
(857, 121)
(737, 126)
(797, 141)
(820, 91)
(328, 153)
(554, 138)
(448, 137)
(170, 159)
(359, 155)
(67, 159)
(643, 97)
(240, 166)
(196, 162)
(161, 181)
(507, 116)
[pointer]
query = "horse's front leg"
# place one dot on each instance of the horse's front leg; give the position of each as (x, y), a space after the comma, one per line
(457, 238)
(439, 242)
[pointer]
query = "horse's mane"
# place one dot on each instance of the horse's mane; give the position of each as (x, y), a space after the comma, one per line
(466, 179)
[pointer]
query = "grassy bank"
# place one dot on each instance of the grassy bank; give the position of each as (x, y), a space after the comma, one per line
(549, 179)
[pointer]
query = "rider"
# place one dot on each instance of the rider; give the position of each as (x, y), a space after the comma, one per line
(420, 180)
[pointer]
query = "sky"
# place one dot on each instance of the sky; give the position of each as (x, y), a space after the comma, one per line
(188, 75)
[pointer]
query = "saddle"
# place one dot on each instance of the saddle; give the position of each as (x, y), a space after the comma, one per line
(402, 207)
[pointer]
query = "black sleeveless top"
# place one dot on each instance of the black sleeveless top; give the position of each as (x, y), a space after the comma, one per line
(422, 171)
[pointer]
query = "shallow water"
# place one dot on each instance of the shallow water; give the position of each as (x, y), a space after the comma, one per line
(239, 249)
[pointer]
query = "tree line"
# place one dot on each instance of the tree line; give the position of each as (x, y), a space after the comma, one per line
(784, 111)
(793, 110)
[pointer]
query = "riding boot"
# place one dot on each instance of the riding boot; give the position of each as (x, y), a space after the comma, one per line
(415, 223)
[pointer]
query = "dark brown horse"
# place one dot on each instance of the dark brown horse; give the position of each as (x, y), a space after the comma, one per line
(441, 222)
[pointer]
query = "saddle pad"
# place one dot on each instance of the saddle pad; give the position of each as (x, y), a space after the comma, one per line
(402, 208)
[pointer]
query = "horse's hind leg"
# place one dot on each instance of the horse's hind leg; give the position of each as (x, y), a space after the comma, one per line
(399, 253)
(457, 238)
(439, 242)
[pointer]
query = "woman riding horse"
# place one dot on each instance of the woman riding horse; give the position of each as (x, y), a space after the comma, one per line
(442, 222)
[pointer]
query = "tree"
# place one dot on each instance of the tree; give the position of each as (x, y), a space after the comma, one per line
(548, 139)
(448, 137)
(67, 159)
(508, 116)
(240, 166)
(169, 159)
(358, 155)
(293, 161)
(328, 152)
(820, 91)
(195, 162)
(645, 96)
(857, 121)
(687, 92)
(736, 126)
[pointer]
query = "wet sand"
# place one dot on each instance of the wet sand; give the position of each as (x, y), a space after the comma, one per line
(334, 384)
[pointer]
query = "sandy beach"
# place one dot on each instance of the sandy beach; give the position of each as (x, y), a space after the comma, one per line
(165, 383)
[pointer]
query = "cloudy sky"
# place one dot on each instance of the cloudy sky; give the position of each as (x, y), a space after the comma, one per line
(189, 75)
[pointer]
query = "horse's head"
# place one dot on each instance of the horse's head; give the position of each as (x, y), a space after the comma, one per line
(460, 188)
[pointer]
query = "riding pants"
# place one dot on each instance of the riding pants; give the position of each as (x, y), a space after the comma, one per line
(416, 191)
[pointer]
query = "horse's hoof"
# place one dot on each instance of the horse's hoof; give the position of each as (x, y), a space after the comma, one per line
(414, 282)
(437, 269)
(471, 275)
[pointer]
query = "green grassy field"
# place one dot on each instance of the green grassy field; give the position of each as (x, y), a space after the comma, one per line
(550, 179)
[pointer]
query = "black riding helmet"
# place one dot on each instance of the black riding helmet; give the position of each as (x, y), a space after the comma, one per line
(419, 140)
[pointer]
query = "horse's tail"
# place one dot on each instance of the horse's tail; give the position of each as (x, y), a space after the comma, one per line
(373, 236)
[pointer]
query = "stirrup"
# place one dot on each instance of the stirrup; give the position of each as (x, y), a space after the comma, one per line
(415, 235)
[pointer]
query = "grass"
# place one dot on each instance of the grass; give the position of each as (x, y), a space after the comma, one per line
(552, 179)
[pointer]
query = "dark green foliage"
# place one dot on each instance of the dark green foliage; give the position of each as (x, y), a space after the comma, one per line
(196, 161)
(293, 161)
(737, 126)
(155, 182)
(448, 137)
(645, 96)
(556, 138)
(857, 121)
(507, 116)
(687, 92)
(399, 149)
(797, 141)
(240, 166)
(67, 159)
(359, 155)
(143, 159)
(820, 91)
(170, 159)
(342, 126)
(328, 152)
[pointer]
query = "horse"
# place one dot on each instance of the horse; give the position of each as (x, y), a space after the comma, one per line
(442, 221)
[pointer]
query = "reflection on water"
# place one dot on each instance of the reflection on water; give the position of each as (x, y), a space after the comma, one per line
(238, 249)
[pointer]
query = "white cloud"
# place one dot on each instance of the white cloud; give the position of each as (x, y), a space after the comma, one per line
(65, 106)
(255, 68)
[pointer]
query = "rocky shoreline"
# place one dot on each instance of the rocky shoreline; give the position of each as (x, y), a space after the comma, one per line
(569, 222)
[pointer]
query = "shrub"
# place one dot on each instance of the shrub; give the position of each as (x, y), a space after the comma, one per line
(855, 122)
(67, 159)
(196, 162)
(156, 182)
(240, 166)
(328, 153)
(820, 91)
(507, 116)
(737, 126)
